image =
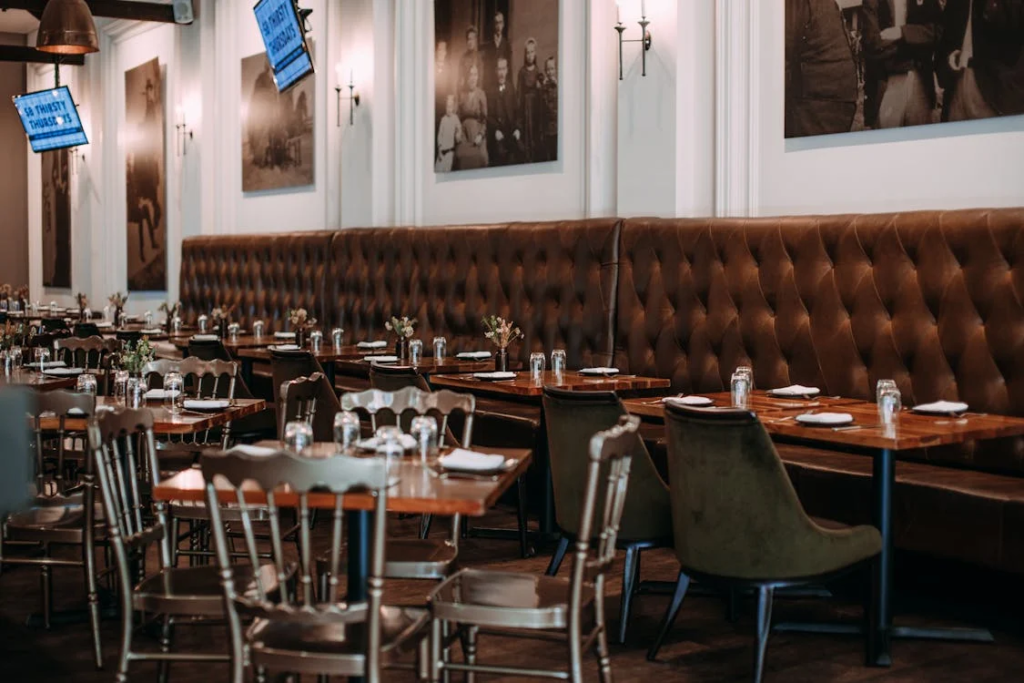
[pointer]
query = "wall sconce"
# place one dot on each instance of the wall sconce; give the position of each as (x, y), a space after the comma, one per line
(646, 39)
(352, 97)
(184, 133)
(74, 156)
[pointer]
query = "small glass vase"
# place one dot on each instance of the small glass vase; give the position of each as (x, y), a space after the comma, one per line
(222, 328)
(117, 316)
(402, 348)
(300, 337)
(501, 360)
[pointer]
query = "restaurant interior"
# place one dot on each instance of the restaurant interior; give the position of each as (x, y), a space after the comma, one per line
(438, 340)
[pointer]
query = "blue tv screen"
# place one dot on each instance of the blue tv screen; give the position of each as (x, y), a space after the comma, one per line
(285, 41)
(50, 119)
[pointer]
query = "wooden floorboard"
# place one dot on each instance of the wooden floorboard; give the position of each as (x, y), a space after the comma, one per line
(703, 647)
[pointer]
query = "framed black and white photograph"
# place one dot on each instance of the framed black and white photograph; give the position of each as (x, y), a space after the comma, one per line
(855, 65)
(277, 129)
(495, 83)
(56, 219)
(144, 170)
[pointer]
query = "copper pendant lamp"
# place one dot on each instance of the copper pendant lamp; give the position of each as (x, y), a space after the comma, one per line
(67, 28)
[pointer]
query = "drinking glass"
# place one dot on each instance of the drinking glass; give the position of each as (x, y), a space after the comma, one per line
(16, 353)
(174, 392)
(740, 388)
(889, 401)
(440, 348)
(316, 341)
(424, 430)
(558, 361)
(86, 383)
(8, 362)
(176, 324)
(749, 372)
(147, 319)
(106, 313)
(537, 365)
(15, 307)
(298, 436)
(42, 356)
(53, 309)
(203, 322)
(257, 329)
(135, 392)
(233, 330)
(336, 334)
(86, 314)
(346, 430)
(121, 387)
(389, 445)
(3, 304)
(415, 351)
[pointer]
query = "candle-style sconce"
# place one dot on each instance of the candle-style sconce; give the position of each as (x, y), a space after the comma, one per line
(645, 39)
(184, 133)
(74, 157)
(352, 97)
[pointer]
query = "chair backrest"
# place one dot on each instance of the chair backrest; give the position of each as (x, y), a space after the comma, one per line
(332, 477)
(208, 349)
(570, 418)
(610, 454)
(440, 404)
(735, 512)
(86, 330)
(216, 378)
(90, 352)
(124, 456)
(61, 404)
(396, 377)
(289, 365)
(297, 401)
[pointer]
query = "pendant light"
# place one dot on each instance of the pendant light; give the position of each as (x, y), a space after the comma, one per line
(67, 28)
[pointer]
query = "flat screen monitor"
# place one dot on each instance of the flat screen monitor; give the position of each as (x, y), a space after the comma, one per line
(285, 41)
(50, 119)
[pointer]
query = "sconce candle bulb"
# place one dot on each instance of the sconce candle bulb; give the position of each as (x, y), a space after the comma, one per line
(352, 97)
(645, 38)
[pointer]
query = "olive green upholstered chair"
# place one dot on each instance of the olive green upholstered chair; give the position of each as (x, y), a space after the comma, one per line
(737, 520)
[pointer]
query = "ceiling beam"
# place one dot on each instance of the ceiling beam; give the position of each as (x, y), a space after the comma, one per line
(20, 53)
(113, 9)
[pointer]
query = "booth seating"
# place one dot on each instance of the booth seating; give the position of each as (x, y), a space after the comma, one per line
(934, 300)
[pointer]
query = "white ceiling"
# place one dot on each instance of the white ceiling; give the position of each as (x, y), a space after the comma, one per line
(17, 21)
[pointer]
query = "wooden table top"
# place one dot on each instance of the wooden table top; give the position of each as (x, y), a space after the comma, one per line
(760, 402)
(34, 380)
(912, 430)
(525, 386)
(419, 489)
(244, 341)
(426, 366)
(326, 354)
(188, 422)
(158, 333)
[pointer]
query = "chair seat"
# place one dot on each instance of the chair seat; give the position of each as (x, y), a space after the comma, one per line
(414, 558)
(334, 648)
(50, 522)
(506, 599)
(197, 591)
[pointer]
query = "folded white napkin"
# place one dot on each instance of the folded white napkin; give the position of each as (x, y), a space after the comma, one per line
(599, 371)
(825, 418)
(692, 401)
(205, 337)
(49, 364)
(151, 330)
(943, 407)
(474, 355)
(285, 347)
(494, 375)
(159, 394)
(471, 461)
(381, 359)
(406, 441)
(284, 335)
(372, 345)
(795, 390)
(259, 451)
(104, 324)
(207, 403)
(63, 372)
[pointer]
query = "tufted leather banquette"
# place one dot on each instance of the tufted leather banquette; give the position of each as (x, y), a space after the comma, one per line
(932, 299)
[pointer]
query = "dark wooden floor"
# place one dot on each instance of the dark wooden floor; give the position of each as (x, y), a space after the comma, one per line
(703, 647)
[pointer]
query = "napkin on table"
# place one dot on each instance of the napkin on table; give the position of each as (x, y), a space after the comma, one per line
(470, 461)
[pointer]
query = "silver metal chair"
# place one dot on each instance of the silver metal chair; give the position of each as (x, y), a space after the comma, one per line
(125, 457)
(531, 606)
(293, 630)
(92, 353)
(297, 401)
(58, 519)
(419, 558)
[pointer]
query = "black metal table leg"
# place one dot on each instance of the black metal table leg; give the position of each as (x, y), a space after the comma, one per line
(879, 645)
(358, 560)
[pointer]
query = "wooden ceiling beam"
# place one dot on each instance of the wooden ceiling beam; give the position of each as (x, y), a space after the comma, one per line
(112, 9)
(20, 53)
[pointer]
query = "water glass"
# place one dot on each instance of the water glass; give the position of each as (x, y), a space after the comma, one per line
(749, 372)
(889, 401)
(147, 319)
(42, 356)
(204, 323)
(346, 430)
(15, 353)
(257, 329)
(424, 430)
(389, 445)
(106, 313)
(135, 392)
(15, 306)
(7, 359)
(174, 392)
(176, 325)
(120, 387)
(86, 314)
(86, 383)
(440, 348)
(3, 304)
(316, 341)
(537, 365)
(298, 436)
(336, 334)
(233, 330)
(740, 389)
(53, 309)
(558, 361)
(415, 351)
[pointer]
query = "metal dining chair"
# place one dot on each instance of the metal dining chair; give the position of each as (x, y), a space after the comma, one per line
(297, 401)
(207, 378)
(124, 450)
(475, 601)
(647, 517)
(261, 425)
(58, 520)
(418, 558)
(295, 630)
(91, 353)
(289, 365)
(737, 521)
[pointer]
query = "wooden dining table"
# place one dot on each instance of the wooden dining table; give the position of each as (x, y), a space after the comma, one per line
(866, 433)
(32, 379)
(526, 387)
(164, 422)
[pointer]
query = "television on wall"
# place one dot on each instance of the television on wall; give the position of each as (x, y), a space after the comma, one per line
(281, 27)
(50, 119)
